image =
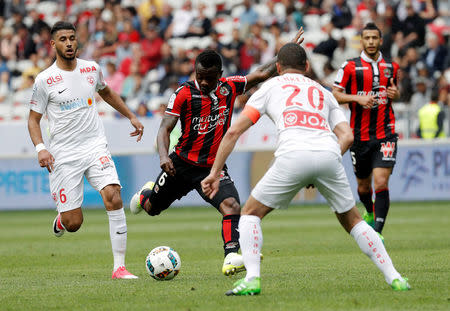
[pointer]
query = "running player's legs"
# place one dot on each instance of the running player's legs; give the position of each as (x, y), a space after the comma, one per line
(66, 186)
(333, 185)
(102, 176)
(167, 188)
(227, 202)
(384, 154)
(288, 174)
(332, 182)
(362, 164)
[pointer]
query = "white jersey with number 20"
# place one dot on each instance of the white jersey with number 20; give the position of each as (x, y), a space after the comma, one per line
(304, 113)
(68, 99)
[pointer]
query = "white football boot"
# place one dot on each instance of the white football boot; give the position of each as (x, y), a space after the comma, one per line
(135, 203)
(234, 263)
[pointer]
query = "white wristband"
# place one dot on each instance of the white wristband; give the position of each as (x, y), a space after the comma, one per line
(40, 147)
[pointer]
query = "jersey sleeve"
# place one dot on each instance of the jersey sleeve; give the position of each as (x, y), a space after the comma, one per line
(176, 101)
(336, 114)
(256, 106)
(343, 75)
(239, 83)
(39, 98)
(101, 83)
(395, 73)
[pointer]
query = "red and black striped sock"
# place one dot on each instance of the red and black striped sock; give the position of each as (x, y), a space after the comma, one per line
(366, 200)
(230, 233)
(381, 208)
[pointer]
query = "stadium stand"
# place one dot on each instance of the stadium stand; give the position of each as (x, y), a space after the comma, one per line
(415, 32)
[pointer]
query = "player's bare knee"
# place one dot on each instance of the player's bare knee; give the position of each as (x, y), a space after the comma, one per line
(364, 188)
(381, 183)
(230, 206)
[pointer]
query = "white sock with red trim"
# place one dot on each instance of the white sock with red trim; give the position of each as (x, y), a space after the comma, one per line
(251, 240)
(371, 245)
(118, 235)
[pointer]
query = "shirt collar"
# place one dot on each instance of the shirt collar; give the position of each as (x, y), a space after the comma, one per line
(369, 60)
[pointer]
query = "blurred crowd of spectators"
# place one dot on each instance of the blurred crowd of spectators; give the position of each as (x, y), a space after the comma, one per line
(146, 48)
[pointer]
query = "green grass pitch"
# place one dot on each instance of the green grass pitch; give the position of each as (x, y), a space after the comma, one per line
(310, 262)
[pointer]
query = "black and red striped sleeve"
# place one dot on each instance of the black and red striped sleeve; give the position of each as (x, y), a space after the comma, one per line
(174, 106)
(343, 75)
(239, 83)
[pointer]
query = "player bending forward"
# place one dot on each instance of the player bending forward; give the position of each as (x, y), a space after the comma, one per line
(306, 115)
(204, 107)
(65, 92)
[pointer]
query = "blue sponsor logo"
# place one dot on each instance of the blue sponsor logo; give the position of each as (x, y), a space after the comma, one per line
(73, 104)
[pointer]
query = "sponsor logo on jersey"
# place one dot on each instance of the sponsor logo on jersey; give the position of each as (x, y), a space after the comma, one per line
(204, 125)
(74, 103)
(224, 91)
(52, 80)
(361, 68)
(388, 149)
(89, 101)
(87, 69)
(380, 94)
(295, 118)
(105, 162)
(54, 197)
(90, 79)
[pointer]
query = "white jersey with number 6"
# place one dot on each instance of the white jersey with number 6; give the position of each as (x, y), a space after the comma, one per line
(304, 113)
(68, 100)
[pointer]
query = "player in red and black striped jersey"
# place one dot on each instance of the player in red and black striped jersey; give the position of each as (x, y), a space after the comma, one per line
(204, 107)
(368, 84)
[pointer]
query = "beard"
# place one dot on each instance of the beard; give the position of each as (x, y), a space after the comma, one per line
(373, 53)
(61, 54)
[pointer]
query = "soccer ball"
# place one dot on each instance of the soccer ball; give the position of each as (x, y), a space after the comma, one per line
(163, 263)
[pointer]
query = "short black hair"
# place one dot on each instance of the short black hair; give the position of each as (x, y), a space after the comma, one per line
(371, 26)
(209, 58)
(60, 26)
(292, 55)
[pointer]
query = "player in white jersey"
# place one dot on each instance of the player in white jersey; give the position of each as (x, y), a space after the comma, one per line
(308, 119)
(65, 92)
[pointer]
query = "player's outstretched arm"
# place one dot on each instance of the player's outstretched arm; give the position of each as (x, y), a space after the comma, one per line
(267, 70)
(210, 185)
(163, 140)
(45, 158)
(114, 100)
(345, 136)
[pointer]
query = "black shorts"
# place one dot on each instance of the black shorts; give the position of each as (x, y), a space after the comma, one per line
(367, 155)
(188, 177)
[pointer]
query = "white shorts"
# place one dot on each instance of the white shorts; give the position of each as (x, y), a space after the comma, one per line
(67, 184)
(294, 170)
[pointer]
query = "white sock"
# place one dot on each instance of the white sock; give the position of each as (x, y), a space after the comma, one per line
(118, 235)
(371, 245)
(251, 240)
